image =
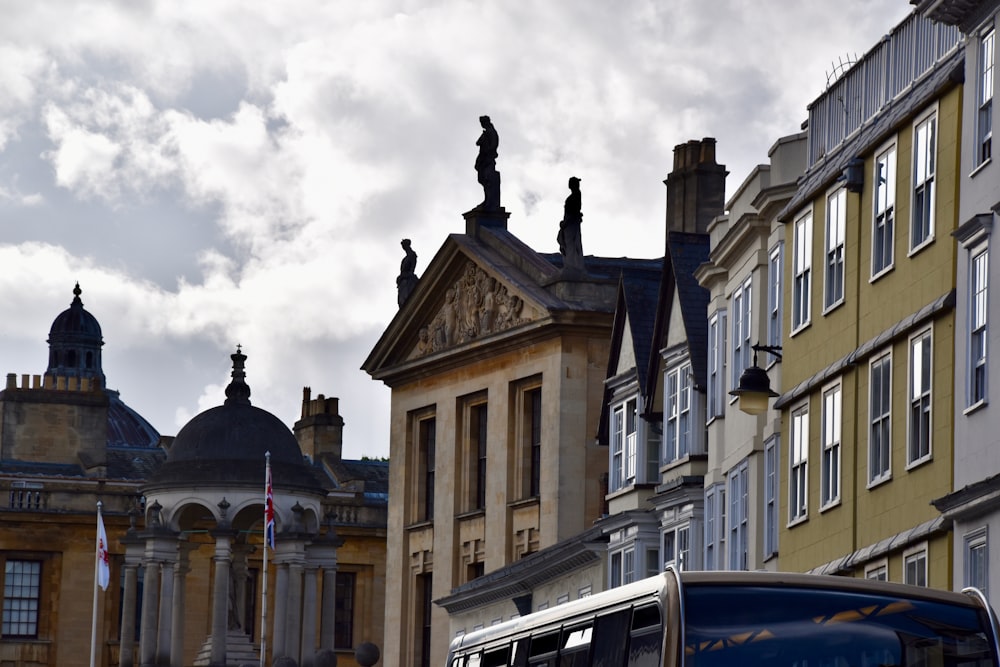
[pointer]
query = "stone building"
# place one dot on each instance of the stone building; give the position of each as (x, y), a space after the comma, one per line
(66, 442)
(744, 278)
(183, 519)
(496, 364)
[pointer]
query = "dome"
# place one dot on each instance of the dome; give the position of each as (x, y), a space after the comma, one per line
(75, 343)
(227, 445)
(75, 323)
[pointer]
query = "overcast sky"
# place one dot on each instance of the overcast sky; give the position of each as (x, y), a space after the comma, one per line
(216, 172)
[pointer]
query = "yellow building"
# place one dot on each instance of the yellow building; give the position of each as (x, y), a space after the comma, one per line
(496, 363)
(869, 295)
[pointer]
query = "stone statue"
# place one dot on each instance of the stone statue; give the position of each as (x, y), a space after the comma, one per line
(407, 279)
(570, 243)
(486, 165)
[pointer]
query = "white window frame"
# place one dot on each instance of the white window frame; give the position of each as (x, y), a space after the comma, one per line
(977, 344)
(920, 399)
(715, 527)
(798, 465)
(915, 561)
(679, 553)
(923, 190)
(831, 433)
(884, 211)
(739, 516)
(801, 272)
(716, 390)
(678, 414)
(772, 459)
(834, 262)
(623, 443)
(877, 570)
(742, 306)
(775, 300)
(976, 541)
(880, 471)
(984, 98)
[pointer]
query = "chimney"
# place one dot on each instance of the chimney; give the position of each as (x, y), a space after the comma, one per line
(320, 430)
(696, 187)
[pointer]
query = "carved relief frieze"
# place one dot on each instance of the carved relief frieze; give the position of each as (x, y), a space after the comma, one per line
(475, 306)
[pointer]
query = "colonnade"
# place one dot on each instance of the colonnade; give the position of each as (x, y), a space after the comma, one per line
(166, 561)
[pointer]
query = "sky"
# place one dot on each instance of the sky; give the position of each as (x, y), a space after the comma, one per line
(216, 172)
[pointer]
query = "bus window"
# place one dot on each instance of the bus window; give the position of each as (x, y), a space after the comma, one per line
(646, 637)
(611, 638)
(804, 627)
(496, 657)
(575, 649)
(519, 656)
(544, 649)
(473, 660)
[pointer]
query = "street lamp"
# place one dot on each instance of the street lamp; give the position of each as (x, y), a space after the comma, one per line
(755, 387)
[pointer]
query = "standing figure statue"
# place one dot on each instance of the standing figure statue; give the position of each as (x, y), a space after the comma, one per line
(570, 243)
(407, 279)
(486, 165)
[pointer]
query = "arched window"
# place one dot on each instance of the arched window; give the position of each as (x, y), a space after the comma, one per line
(90, 360)
(71, 358)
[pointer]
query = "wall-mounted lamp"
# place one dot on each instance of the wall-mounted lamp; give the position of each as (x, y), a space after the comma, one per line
(755, 387)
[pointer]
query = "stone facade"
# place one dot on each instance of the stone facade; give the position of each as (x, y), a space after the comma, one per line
(496, 364)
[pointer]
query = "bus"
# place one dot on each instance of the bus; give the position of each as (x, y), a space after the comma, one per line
(744, 619)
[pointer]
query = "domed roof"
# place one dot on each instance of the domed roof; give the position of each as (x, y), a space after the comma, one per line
(75, 323)
(227, 445)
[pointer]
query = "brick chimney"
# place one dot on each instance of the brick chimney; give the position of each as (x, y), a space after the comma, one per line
(320, 430)
(696, 187)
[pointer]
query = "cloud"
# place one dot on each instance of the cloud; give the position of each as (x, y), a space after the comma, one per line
(231, 172)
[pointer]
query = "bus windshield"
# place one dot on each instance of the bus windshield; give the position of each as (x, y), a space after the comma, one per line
(802, 627)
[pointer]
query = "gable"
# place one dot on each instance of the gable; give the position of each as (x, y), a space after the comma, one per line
(676, 332)
(626, 354)
(474, 305)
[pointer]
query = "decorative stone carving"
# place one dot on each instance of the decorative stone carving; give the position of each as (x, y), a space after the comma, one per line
(475, 306)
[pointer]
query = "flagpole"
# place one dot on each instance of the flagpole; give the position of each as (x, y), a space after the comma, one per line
(268, 513)
(97, 565)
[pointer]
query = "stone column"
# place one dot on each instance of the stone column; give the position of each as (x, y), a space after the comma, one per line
(181, 569)
(322, 553)
(280, 610)
(220, 597)
(240, 572)
(309, 619)
(165, 627)
(329, 614)
(293, 619)
(150, 605)
(126, 633)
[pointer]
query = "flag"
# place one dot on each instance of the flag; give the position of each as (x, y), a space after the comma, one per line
(268, 509)
(103, 566)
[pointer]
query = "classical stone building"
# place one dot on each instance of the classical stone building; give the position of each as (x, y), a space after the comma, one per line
(66, 442)
(183, 519)
(496, 363)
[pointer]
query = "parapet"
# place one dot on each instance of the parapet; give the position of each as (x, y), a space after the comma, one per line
(53, 383)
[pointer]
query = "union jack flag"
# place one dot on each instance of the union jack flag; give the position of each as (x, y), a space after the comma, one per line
(269, 508)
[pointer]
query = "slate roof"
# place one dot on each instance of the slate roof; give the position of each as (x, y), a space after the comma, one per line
(372, 475)
(640, 287)
(687, 252)
(948, 72)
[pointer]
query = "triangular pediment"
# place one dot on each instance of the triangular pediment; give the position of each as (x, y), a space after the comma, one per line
(469, 293)
(473, 304)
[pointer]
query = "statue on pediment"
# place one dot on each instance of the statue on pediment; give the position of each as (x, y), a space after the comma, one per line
(486, 165)
(569, 238)
(407, 279)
